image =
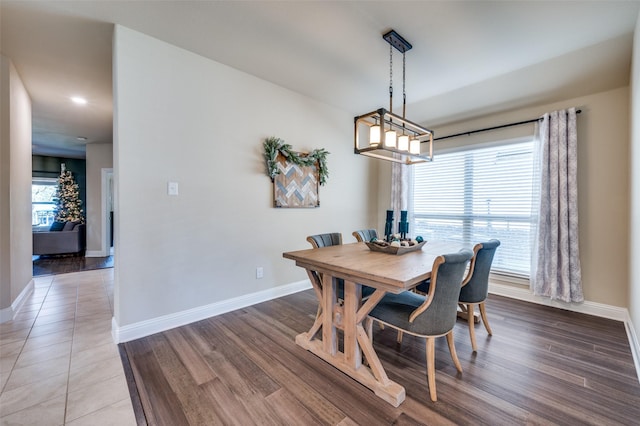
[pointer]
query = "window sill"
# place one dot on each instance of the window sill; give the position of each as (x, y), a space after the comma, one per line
(509, 279)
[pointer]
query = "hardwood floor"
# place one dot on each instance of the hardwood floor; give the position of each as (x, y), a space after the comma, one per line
(542, 366)
(52, 265)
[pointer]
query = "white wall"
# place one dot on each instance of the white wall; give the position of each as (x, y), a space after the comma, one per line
(603, 187)
(183, 118)
(634, 158)
(99, 156)
(15, 190)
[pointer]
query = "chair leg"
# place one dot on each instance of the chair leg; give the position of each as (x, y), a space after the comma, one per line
(431, 367)
(483, 313)
(368, 326)
(472, 332)
(452, 350)
(399, 338)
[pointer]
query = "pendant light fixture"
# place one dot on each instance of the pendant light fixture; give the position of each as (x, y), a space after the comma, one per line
(388, 136)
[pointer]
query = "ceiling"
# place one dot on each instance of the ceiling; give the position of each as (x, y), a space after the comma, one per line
(468, 58)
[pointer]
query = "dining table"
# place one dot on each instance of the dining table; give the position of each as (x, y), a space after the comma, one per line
(357, 265)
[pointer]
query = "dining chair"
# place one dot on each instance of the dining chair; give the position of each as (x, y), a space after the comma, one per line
(326, 240)
(365, 235)
(335, 239)
(475, 287)
(428, 316)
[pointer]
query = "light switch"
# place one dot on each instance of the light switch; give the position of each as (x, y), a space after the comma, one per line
(172, 188)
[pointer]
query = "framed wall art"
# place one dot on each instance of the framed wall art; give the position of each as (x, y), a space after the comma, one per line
(296, 176)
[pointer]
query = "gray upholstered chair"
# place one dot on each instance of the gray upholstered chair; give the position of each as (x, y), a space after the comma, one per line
(326, 240)
(475, 288)
(428, 316)
(335, 239)
(365, 235)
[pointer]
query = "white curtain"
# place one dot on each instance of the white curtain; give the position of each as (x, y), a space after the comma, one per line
(555, 268)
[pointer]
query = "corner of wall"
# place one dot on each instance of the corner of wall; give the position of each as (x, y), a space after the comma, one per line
(634, 178)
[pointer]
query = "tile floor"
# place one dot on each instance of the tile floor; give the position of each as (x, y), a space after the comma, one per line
(58, 362)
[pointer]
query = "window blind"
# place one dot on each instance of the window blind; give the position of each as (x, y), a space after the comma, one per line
(477, 194)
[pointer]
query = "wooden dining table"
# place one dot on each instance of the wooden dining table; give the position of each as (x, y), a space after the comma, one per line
(358, 266)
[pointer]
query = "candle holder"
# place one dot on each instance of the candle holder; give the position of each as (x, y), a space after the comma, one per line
(388, 226)
(403, 225)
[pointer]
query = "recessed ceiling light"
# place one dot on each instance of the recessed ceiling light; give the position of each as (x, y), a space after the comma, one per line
(78, 100)
(81, 138)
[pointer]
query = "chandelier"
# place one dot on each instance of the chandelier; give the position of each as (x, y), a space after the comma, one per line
(388, 136)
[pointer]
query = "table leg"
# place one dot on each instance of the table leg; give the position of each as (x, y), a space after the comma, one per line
(352, 300)
(356, 342)
(329, 335)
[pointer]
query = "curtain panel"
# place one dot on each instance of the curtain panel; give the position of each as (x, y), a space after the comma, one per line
(555, 260)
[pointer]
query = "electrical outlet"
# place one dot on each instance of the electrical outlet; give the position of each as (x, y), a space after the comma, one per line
(172, 188)
(259, 272)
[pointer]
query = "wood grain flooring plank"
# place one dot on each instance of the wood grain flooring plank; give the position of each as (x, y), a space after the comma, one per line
(285, 375)
(290, 410)
(250, 372)
(199, 407)
(539, 393)
(252, 400)
(191, 358)
(344, 393)
(347, 421)
(542, 366)
(160, 403)
(138, 410)
(227, 406)
(406, 420)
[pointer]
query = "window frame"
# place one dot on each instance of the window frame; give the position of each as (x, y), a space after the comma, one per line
(507, 276)
(42, 181)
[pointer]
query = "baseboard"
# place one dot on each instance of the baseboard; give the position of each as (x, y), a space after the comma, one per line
(590, 308)
(634, 344)
(7, 314)
(156, 325)
(95, 253)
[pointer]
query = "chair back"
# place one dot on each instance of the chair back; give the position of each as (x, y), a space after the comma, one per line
(325, 240)
(477, 289)
(446, 278)
(365, 235)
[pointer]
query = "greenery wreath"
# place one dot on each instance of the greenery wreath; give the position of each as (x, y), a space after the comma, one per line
(273, 146)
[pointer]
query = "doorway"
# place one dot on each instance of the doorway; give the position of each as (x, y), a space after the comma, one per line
(107, 212)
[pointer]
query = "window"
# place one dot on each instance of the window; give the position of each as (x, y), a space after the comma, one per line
(43, 192)
(478, 194)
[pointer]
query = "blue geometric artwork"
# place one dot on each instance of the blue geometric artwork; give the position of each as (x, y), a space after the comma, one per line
(295, 186)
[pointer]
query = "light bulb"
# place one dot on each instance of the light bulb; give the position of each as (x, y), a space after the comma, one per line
(374, 135)
(414, 146)
(390, 138)
(403, 143)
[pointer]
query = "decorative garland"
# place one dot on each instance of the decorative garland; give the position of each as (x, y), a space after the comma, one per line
(273, 146)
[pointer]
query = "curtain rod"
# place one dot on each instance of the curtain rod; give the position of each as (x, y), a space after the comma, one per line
(469, 133)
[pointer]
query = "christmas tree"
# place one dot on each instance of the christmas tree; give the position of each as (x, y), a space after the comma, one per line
(68, 199)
